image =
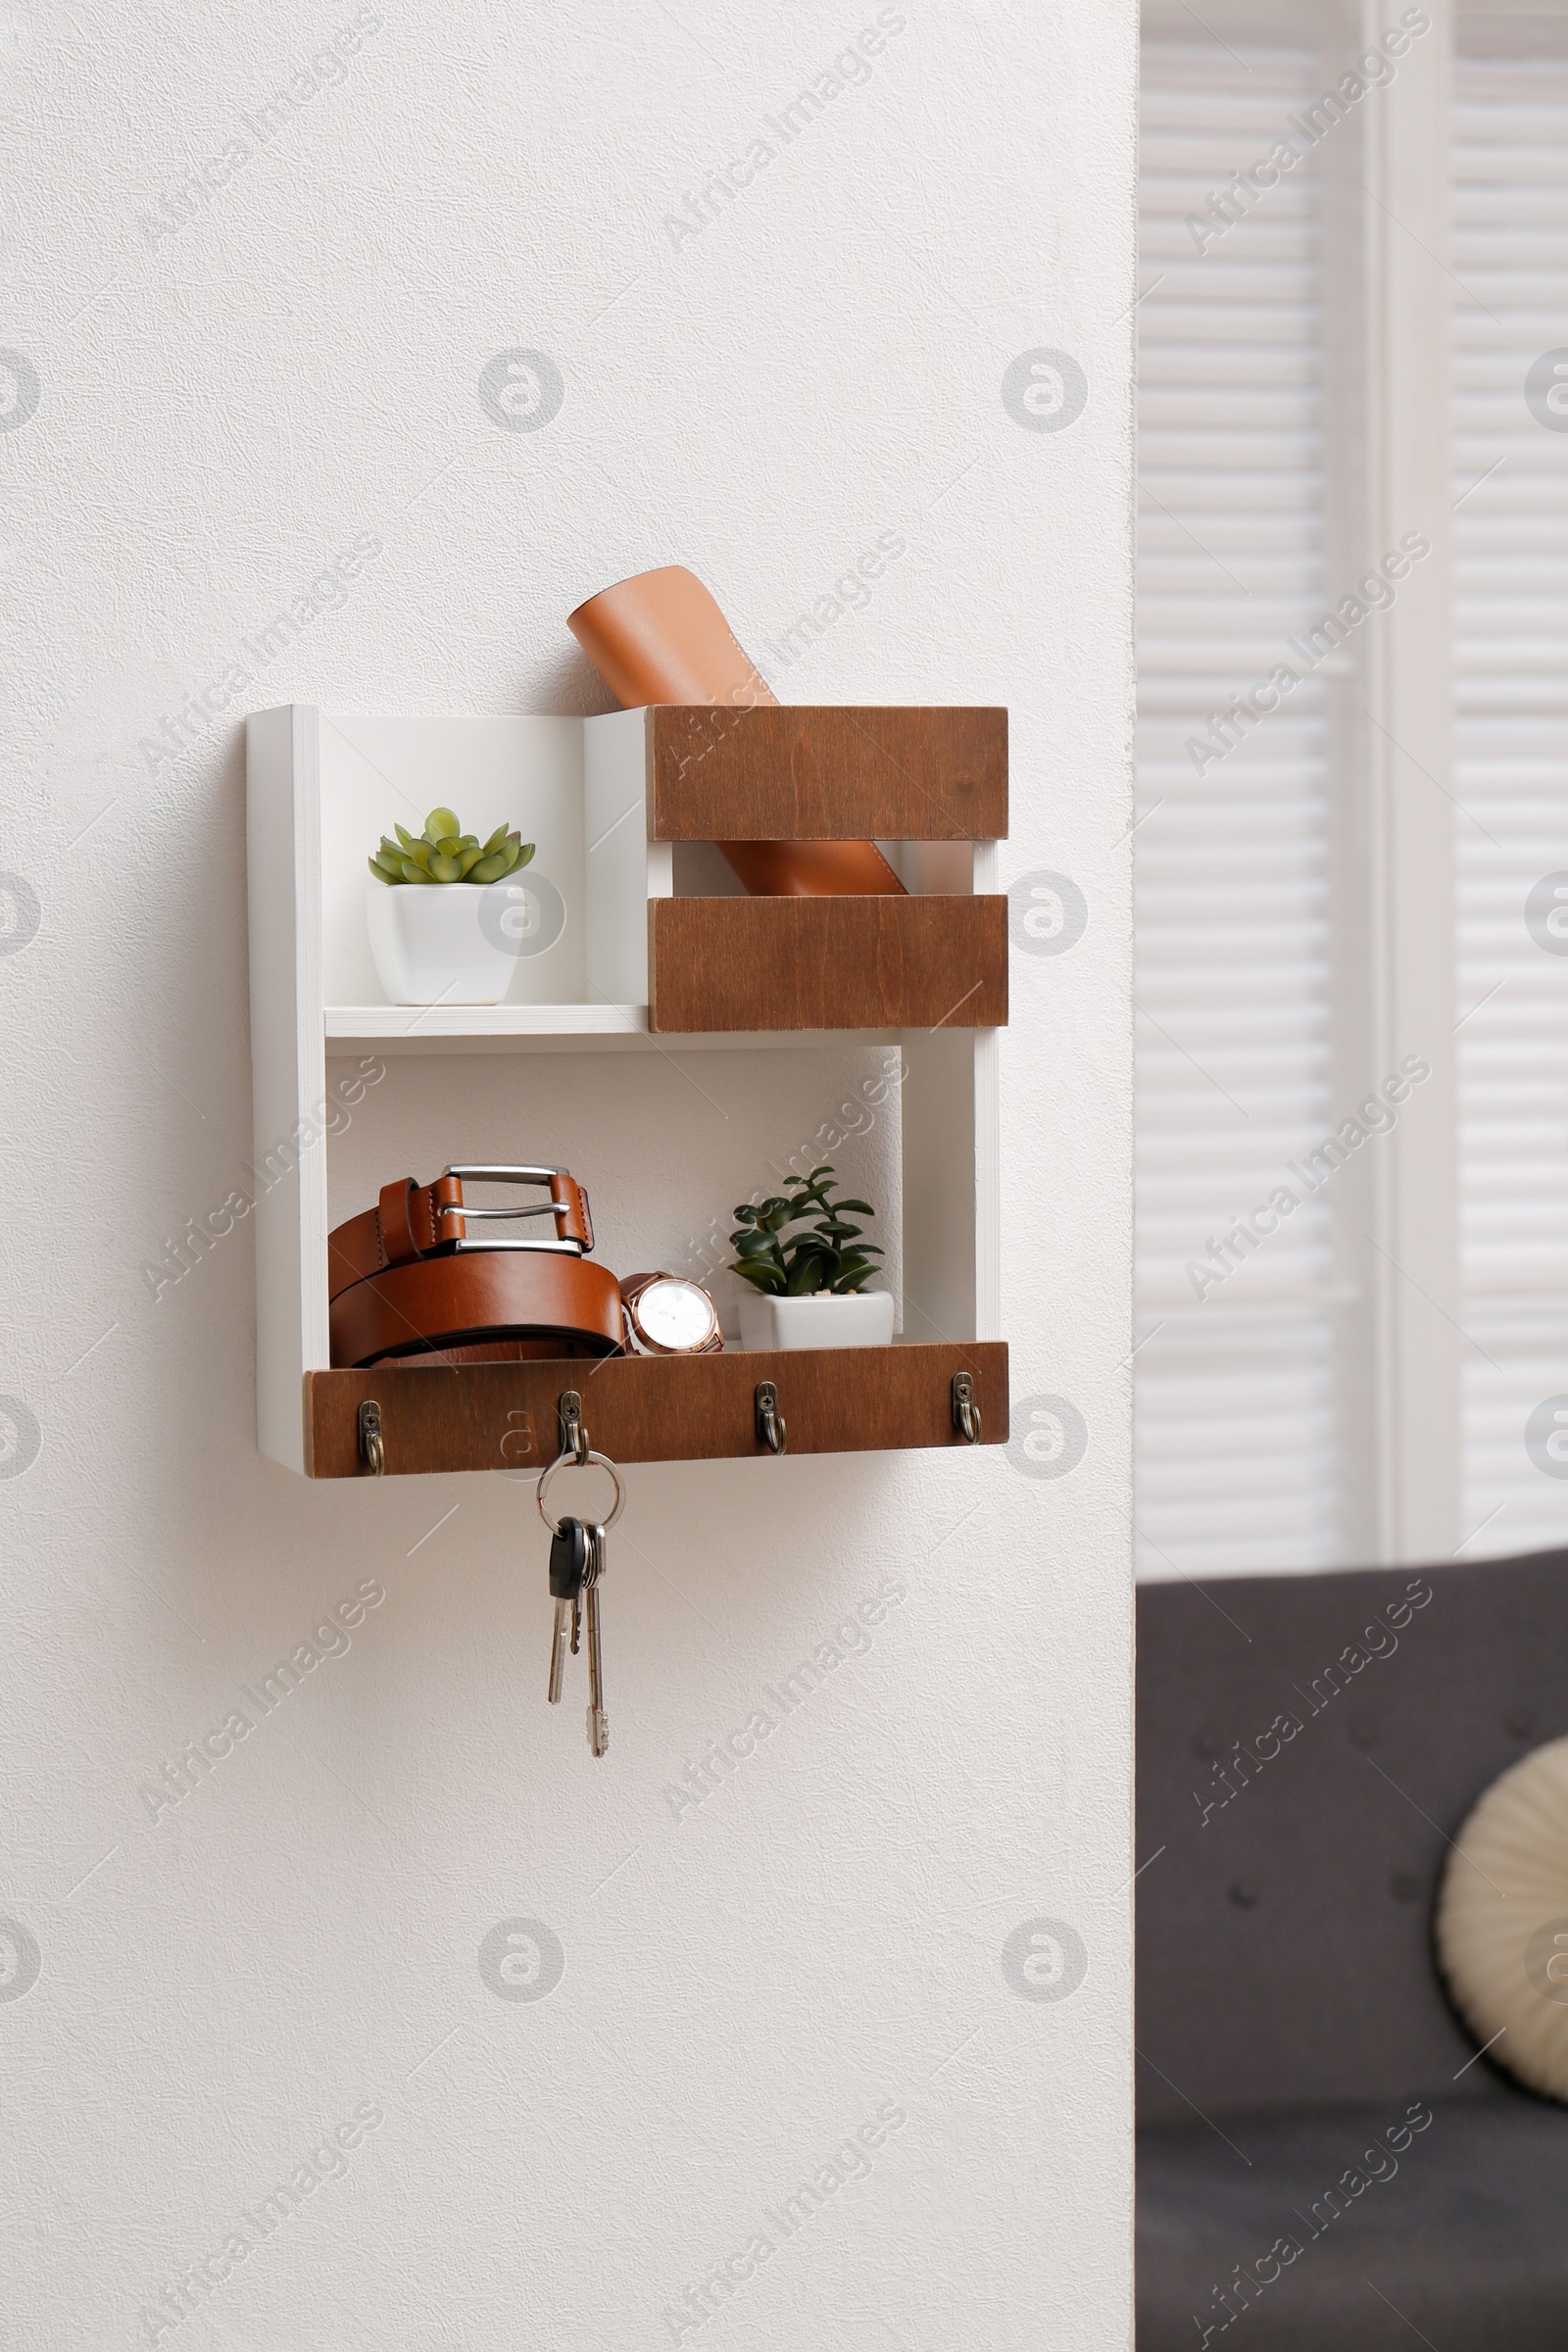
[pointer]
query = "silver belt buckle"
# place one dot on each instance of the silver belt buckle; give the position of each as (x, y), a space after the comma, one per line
(562, 1245)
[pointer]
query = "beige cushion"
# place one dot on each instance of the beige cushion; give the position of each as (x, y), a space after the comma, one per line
(1502, 1919)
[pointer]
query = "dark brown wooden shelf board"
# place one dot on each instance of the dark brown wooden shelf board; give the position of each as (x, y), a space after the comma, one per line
(652, 1409)
(827, 772)
(917, 962)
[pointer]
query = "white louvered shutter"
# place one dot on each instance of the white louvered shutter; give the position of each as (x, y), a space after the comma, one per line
(1235, 1420)
(1510, 255)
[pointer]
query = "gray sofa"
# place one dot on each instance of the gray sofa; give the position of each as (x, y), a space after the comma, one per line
(1323, 2162)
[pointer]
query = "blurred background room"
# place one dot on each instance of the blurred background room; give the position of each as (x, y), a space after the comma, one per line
(1352, 1158)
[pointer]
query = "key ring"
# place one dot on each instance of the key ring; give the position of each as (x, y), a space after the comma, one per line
(569, 1462)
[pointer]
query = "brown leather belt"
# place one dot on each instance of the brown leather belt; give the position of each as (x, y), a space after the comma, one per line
(412, 1221)
(406, 1279)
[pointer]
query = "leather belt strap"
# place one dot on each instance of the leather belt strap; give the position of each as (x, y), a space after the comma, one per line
(413, 1221)
(484, 1305)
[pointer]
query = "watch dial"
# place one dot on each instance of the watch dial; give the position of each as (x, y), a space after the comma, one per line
(676, 1314)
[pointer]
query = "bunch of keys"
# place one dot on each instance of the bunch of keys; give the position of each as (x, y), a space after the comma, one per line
(576, 1563)
(576, 1566)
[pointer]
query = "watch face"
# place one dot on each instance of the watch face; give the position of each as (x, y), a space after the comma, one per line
(674, 1315)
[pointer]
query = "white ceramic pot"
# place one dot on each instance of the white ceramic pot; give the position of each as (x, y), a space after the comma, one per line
(860, 1319)
(441, 943)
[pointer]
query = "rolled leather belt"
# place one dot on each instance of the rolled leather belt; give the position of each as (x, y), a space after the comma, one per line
(408, 1279)
(661, 637)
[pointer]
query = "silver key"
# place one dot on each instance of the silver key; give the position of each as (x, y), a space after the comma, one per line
(558, 1649)
(569, 1555)
(598, 1721)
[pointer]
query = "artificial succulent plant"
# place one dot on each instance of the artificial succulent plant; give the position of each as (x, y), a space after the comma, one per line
(822, 1258)
(443, 852)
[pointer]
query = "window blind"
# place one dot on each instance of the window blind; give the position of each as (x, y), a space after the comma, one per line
(1234, 1406)
(1510, 257)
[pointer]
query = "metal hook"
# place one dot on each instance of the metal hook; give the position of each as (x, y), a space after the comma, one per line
(574, 1436)
(770, 1429)
(965, 1411)
(371, 1450)
(577, 1453)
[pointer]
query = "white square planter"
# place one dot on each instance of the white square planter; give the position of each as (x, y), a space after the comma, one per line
(860, 1319)
(452, 944)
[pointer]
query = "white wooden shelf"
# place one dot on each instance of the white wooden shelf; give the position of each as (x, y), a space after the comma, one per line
(320, 790)
(399, 1029)
(472, 1028)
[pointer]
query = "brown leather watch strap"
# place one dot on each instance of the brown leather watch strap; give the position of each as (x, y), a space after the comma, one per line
(481, 1305)
(413, 1221)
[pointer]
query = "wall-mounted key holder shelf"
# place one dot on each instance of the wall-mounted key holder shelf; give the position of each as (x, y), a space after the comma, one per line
(680, 1410)
(655, 942)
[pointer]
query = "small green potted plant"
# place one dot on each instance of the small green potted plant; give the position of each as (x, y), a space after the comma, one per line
(446, 912)
(805, 1288)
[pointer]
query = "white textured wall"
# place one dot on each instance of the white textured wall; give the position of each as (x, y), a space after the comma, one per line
(197, 416)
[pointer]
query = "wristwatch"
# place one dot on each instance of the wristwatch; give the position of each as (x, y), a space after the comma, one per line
(664, 1314)
(407, 1278)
